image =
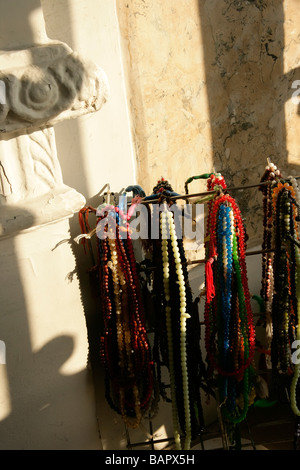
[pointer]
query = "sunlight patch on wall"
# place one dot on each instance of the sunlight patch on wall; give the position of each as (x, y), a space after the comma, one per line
(291, 66)
(5, 401)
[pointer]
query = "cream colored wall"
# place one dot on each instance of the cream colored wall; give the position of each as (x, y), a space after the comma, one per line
(47, 399)
(47, 395)
(96, 149)
(210, 88)
(164, 57)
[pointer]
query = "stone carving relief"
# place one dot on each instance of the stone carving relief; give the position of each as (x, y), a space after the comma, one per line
(40, 86)
(34, 168)
(56, 85)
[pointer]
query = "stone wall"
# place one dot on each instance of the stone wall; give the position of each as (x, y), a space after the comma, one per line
(210, 85)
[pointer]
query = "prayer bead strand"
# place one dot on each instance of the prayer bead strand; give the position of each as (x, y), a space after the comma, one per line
(243, 283)
(267, 279)
(286, 300)
(125, 350)
(296, 376)
(282, 302)
(183, 317)
(172, 300)
(166, 277)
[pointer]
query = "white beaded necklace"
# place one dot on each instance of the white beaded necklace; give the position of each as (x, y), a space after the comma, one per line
(167, 222)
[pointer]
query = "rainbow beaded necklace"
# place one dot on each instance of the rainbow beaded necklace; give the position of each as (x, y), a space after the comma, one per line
(229, 327)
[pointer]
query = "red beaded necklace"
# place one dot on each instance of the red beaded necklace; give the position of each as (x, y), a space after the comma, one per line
(124, 346)
(239, 230)
(212, 256)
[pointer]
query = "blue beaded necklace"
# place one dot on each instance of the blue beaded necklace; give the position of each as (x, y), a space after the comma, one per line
(224, 244)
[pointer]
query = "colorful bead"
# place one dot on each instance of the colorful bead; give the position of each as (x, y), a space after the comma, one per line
(229, 327)
(124, 346)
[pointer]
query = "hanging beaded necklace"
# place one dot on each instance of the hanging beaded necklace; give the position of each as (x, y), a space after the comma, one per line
(295, 395)
(285, 307)
(164, 222)
(271, 174)
(295, 389)
(176, 342)
(124, 345)
(229, 328)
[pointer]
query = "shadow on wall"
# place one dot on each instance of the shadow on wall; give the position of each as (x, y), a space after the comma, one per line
(57, 17)
(247, 89)
(40, 398)
(45, 404)
(71, 153)
(32, 385)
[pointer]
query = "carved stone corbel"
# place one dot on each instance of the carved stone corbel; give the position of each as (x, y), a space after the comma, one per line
(48, 84)
(41, 85)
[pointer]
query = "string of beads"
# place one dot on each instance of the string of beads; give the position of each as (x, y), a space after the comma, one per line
(229, 327)
(177, 329)
(165, 221)
(285, 306)
(295, 385)
(281, 284)
(271, 174)
(124, 348)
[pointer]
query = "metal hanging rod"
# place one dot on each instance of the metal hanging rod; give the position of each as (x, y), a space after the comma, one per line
(248, 253)
(187, 196)
(204, 193)
(207, 193)
(202, 261)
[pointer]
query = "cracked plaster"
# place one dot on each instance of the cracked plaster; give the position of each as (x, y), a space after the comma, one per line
(210, 88)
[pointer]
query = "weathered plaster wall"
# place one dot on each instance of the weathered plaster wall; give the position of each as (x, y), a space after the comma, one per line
(168, 98)
(291, 70)
(210, 88)
(247, 48)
